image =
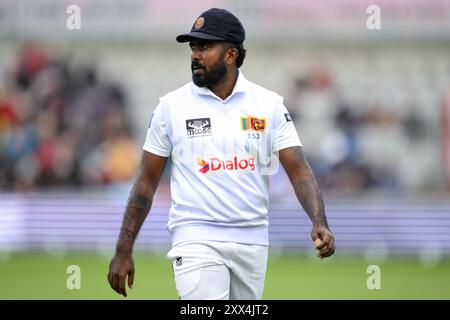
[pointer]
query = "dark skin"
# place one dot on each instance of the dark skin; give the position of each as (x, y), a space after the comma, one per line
(208, 53)
(139, 204)
(309, 196)
(121, 267)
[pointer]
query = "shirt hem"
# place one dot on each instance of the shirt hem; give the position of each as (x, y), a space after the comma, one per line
(250, 235)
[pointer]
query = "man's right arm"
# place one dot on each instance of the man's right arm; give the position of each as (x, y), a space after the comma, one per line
(138, 206)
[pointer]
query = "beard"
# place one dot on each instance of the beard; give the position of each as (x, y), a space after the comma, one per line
(209, 78)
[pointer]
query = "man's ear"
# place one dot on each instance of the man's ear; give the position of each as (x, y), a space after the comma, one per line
(231, 56)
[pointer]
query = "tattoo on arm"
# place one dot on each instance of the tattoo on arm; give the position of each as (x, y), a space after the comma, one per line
(311, 199)
(305, 186)
(136, 211)
(138, 202)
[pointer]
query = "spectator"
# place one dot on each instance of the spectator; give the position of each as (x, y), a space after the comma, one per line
(54, 121)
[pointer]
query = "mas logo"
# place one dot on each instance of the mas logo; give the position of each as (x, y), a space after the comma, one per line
(198, 127)
(235, 164)
(253, 124)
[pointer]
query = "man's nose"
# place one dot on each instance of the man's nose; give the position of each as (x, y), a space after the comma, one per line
(196, 55)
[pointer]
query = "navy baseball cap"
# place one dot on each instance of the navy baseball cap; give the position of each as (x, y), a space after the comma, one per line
(215, 24)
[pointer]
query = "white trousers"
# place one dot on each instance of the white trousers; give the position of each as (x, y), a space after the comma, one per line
(213, 270)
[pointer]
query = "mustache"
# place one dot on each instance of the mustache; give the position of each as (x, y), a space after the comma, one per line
(197, 65)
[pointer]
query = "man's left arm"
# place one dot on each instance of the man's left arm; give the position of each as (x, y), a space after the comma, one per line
(309, 196)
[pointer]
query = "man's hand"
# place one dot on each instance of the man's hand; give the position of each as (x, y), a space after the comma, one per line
(323, 240)
(119, 268)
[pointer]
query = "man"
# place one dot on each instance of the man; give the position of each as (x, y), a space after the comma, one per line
(221, 132)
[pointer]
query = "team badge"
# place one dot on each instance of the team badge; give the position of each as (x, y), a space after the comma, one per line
(199, 23)
(253, 124)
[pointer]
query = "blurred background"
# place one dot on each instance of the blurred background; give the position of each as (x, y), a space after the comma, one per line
(372, 108)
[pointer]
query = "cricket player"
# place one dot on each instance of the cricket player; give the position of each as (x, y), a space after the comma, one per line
(224, 135)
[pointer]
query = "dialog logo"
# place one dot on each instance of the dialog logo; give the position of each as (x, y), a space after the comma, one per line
(204, 166)
(198, 127)
(215, 164)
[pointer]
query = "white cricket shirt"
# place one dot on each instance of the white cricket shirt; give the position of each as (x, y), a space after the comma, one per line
(222, 154)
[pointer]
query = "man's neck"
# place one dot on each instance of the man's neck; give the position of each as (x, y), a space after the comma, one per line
(225, 88)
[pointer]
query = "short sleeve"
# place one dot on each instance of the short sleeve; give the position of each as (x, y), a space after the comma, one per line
(157, 140)
(284, 132)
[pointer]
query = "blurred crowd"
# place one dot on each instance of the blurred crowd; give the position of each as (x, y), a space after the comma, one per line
(61, 124)
(352, 145)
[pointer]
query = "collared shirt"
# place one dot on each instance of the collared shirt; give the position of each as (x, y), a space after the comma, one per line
(222, 152)
(240, 86)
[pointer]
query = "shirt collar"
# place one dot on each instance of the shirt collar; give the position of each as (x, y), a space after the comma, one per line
(241, 85)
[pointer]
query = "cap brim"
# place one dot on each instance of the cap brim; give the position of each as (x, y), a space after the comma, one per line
(197, 35)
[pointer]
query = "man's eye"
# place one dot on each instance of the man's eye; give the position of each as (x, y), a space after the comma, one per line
(202, 46)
